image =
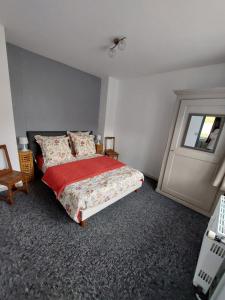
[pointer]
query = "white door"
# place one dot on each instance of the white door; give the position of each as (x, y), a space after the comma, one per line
(197, 148)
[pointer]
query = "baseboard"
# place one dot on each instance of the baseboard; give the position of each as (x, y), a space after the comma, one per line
(184, 203)
(151, 176)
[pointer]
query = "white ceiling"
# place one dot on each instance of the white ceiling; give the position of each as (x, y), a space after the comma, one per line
(162, 35)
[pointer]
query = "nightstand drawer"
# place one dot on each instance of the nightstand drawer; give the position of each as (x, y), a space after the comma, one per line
(26, 167)
(26, 164)
(99, 148)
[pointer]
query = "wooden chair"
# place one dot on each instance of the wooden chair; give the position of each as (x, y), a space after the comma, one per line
(9, 178)
(111, 151)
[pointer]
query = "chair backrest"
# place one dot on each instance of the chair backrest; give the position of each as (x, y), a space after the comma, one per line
(4, 156)
(107, 139)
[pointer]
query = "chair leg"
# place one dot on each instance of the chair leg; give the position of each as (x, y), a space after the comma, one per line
(83, 223)
(25, 186)
(10, 196)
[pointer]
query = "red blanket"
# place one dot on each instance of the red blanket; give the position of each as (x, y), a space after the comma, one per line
(58, 177)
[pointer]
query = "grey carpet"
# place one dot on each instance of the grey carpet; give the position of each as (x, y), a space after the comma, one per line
(145, 246)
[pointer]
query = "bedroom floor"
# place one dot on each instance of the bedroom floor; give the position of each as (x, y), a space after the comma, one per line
(145, 246)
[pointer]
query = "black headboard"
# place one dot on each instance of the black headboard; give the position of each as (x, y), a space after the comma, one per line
(33, 145)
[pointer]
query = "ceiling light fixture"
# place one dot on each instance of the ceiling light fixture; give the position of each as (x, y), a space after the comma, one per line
(119, 43)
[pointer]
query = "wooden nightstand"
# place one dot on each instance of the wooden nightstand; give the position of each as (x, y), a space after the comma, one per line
(99, 148)
(26, 164)
(111, 153)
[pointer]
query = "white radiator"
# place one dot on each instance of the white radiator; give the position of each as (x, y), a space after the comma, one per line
(212, 252)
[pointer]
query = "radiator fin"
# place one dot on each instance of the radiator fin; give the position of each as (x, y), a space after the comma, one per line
(205, 277)
(221, 221)
(217, 250)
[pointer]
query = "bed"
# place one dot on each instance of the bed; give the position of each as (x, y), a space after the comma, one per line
(83, 198)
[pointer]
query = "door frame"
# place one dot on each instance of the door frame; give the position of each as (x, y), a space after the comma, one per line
(189, 94)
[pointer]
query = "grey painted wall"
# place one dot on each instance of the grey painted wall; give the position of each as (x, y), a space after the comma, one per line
(48, 95)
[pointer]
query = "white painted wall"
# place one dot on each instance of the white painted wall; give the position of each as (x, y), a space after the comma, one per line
(112, 102)
(7, 127)
(102, 106)
(144, 109)
(108, 105)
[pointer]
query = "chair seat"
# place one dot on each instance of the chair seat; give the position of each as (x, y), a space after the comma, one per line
(11, 177)
(110, 152)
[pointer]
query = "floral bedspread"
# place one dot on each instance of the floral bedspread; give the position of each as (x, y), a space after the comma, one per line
(99, 189)
(75, 158)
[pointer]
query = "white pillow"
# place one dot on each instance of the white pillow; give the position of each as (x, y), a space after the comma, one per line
(40, 138)
(83, 144)
(55, 150)
(78, 132)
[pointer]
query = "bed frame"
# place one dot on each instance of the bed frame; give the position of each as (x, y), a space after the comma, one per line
(87, 213)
